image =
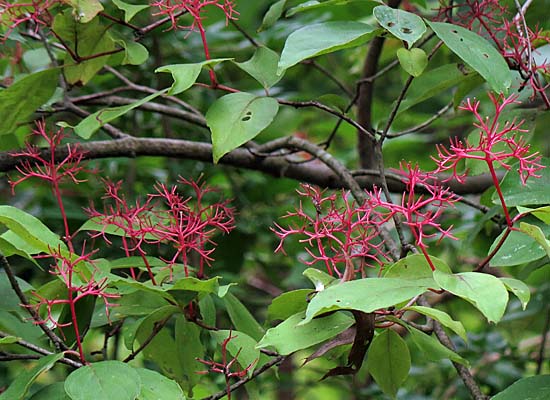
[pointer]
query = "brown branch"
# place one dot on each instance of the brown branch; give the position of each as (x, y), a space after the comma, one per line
(276, 361)
(156, 329)
(241, 158)
(56, 340)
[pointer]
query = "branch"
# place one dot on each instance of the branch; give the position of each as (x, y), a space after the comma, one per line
(276, 361)
(156, 329)
(240, 158)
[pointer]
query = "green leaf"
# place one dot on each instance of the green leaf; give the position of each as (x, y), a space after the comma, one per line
(189, 334)
(134, 53)
(520, 289)
(536, 233)
(272, 15)
(367, 295)
(519, 248)
(389, 361)
(31, 230)
(290, 335)
(542, 213)
(288, 304)
(262, 67)
(92, 123)
(85, 10)
(89, 39)
(130, 10)
(141, 330)
(443, 318)
(155, 386)
(241, 346)
(330, 4)
(401, 24)
(8, 340)
(413, 61)
(22, 383)
(11, 243)
(320, 279)
(433, 82)
(477, 52)
(534, 192)
(415, 267)
(54, 391)
(326, 37)
(486, 292)
(236, 118)
(241, 318)
(103, 381)
(532, 388)
(16, 106)
(432, 348)
(185, 75)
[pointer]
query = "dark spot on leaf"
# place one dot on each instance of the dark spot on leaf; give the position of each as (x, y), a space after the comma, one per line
(461, 39)
(406, 30)
(454, 31)
(390, 24)
(338, 301)
(247, 116)
(485, 55)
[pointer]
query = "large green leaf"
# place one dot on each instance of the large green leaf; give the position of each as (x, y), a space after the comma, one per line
(519, 248)
(86, 40)
(486, 292)
(389, 361)
(401, 24)
(236, 118)
(16, 105)
(30, 229)
(532, 388)
(433, 82)
(367, 295)
(415, 267)
(92, 123)
(241, 318)
(288, 304)
(442, 317)
(326, 37)
(155, 386)
(534, 192)
(104, 380)
(20, 386)
(262, 67)
(290, 336)
(477, 52)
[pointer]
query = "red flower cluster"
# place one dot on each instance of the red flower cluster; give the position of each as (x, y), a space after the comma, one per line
(340, 232)
(187, 224)
(13, 14)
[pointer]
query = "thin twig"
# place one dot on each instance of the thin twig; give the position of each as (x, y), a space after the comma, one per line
(423, 125)
(542, 349)
(156, 329)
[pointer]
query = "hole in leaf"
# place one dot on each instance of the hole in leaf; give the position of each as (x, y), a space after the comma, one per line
(461, 39)
(390, 24)
(406, 30)
(247, 116)
(454, 31)
(485, 55)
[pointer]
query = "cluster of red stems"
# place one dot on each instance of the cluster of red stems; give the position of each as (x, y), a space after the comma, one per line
(340, 233)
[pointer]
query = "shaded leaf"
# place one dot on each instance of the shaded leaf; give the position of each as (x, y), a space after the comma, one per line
(288, 304)
(433, 349)
(241, 318)
(262, 67)
(534, 192)
(532, 388)
(130, 10)
(520, 290)
(155, 386)
(443, 318)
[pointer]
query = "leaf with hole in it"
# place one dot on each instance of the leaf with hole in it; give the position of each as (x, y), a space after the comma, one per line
(21, 385)
(326, 37)
(16, 106)
(290, 335)
(401, 24)
(486, 292)
(262, 67)
(236, 118)
(104, 380)
(413, 61)
(92, 123)
(477, 52)
(389, 361)
(130, 10)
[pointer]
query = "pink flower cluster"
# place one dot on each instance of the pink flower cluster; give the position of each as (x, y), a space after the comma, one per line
(36, 12)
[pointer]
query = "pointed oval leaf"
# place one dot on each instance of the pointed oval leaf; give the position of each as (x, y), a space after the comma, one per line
(155, 386)
(290, 335)
(389, 361)
(520, 289)
(236, 118)
(272, 15)
(486, 292)
(401, 24)
(326, 37)
(130, 10)
(443, 318)
(432, 348)
(262, 67)
(241, 318)
(367, 295)
(532, 388)
(104, 380)
(477, 52)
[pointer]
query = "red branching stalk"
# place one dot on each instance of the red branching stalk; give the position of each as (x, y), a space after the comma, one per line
(421, 212)
(497, 145)
(13, 14)
(226, 365)
(339, 233)
(195, 8)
